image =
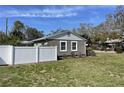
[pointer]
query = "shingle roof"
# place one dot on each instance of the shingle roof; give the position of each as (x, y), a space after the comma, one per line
(26, 42)
(113, 41)
(52, 36)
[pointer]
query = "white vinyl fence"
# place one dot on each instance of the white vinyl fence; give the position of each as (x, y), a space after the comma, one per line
(21, 55)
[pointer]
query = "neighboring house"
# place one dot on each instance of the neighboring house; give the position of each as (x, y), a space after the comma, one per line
(67, 43)
(112, 43)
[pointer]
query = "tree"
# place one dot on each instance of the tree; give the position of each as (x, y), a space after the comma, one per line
(2, 38)
(114, 35)
(57, 31)
(109, 23)
(17, 33)
(33, 33)
(18, 26)
(119, 17)
(106, 30)
(74, 30)
(85, 30)
(18, 30)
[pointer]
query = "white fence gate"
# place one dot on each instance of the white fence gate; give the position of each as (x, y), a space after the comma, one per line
(21, 55)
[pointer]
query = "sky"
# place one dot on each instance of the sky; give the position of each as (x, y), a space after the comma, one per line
(50, 18)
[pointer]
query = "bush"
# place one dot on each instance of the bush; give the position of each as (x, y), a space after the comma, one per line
(73, 54)
(90, 52)
(103, 47)
(65, 56)
(95, 47)
(119, 49)
(89, 49)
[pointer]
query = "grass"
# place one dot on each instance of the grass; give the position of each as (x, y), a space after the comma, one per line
(102, 70)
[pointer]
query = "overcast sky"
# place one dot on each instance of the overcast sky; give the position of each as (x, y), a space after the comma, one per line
(50, 17)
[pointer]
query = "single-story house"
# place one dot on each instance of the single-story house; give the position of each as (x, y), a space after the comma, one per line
(67, 43)
(112, 43)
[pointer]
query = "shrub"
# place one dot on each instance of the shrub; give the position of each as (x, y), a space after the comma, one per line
(103, 47)
(95, 47)
(73, 54)
(119, 49)
(60, 58)
(89, 48)
(80, 54)
(90, 52)
(65, 56)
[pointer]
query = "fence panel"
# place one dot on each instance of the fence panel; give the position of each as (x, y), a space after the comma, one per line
(47, 54)
(24, 55)
(4, 55)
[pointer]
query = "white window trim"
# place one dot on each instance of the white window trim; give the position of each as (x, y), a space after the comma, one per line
(65, 46)
(76, 45)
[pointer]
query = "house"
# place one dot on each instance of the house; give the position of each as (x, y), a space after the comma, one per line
(67, 43)
(112, 43)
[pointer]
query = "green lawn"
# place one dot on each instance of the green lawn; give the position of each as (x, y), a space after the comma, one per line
(102, 70)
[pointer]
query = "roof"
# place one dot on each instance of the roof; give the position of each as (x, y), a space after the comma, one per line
(26, 42)
(113, 41)
(59, 34)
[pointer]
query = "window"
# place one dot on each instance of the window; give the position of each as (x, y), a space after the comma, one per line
(63, 45)
(73, 45)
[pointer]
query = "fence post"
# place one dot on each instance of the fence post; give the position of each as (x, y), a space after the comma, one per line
(56, 52)
(12, 54)
(37, 54)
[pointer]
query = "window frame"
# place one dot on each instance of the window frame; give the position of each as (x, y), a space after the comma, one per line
(76, 45)
(65, 46)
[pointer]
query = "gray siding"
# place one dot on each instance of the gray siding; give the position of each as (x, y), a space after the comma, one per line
(81, 47)
(54, 40)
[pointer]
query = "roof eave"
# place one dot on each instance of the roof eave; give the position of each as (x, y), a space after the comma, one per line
(51, 37)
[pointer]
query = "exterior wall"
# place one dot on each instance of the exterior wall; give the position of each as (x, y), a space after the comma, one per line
(81, 47)
(55, 41)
